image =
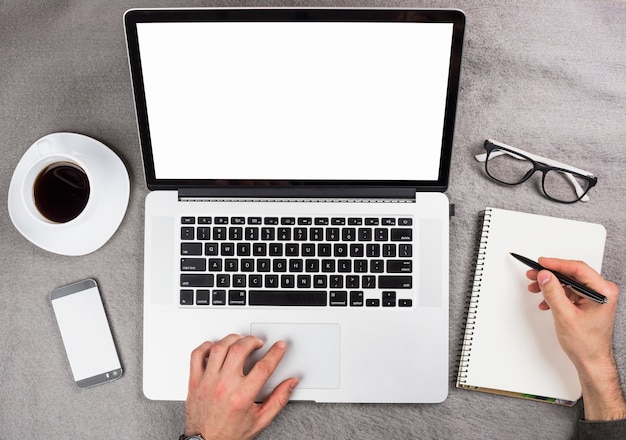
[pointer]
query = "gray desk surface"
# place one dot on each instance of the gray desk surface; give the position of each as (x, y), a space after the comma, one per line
(549, 77)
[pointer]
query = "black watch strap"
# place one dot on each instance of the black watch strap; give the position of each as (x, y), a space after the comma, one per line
(190, 437)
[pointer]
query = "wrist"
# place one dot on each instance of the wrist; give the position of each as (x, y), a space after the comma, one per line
(602, 393)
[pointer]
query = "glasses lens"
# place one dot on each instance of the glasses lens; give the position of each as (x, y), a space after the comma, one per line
(508, 167)
(563, 186)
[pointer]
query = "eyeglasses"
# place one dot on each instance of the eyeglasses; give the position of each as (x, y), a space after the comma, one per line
(512, 166)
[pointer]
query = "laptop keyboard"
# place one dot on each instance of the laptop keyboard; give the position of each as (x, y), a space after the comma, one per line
(296, 261)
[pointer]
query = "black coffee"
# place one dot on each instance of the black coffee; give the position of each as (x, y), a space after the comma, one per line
(61, 191)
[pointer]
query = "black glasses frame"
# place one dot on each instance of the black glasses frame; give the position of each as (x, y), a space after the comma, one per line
(537, 166)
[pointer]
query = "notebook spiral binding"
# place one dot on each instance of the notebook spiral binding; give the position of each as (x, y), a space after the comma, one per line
(471, 306)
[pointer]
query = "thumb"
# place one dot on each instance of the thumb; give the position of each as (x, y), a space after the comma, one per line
(553, 293)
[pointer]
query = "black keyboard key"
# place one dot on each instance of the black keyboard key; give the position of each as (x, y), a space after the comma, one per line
(196, 280)
(191, 248)
(255, 281)
(381, 234)
(205, 220)
(316, 234)
(287, 298)
(352, 282)
(268, 234)
(288, 221)
(405, 221)
(371, 221)
(388, 222)
(235, 233)
(270, 221)
(348, 234)
(238, 221)
(336, 281)
(305, 221)
(374, 302)
(355, 221)
(236, 297)
(368, 282)
(228, 249)
(320, 281)
(287, 281)
(377, 266)
(395, 282)
(389, 299)
(221, 220)
(304, 281)
(332, 234)
(219, 233)
(243, 249)
(320, 221)
(356, 299)
(338, 221)
(389, 250)
(186, 297)
(365, 234)
(204, 233)
(211, 249)
(405, 250)
(399, 266)
(202, 297)
(193, 264)
(215, 264)
(405, 303)
(300, 234)
(284, 234)
(338, 298)
(187, 233)
(255, 220)
(222, 280)
(401, 234)
(271, 281)
(218, 298)
(356, 250)
(323, 250)
(251, 233)
(259, 249)
(188, 220)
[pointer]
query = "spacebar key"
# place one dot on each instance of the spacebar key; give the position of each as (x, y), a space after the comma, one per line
(287, 298)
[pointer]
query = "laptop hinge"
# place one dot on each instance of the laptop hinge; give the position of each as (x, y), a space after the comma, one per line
(298, 192)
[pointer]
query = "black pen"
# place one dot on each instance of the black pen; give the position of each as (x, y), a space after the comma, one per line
(576, 287)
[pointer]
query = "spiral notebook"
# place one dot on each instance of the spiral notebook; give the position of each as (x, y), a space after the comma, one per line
(509, 345)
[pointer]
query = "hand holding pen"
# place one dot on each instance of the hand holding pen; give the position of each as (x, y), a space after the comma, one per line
(584, 329)
(578, 288)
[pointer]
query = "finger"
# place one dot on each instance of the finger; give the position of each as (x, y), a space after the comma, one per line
(577, 270)
(531, 274)
(218, 353)
(264, 367)
(239, 352)
(197, 363)
(276, 401)
(553, 293)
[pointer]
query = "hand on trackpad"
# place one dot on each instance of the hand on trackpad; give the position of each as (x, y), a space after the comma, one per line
(313, 353)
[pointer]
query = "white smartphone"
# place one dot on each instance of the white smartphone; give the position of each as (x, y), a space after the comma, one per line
(86, 333)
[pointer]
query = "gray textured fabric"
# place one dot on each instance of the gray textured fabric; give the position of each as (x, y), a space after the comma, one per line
(548, 77)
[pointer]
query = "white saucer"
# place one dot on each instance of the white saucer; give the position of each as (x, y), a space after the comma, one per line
(108, 200)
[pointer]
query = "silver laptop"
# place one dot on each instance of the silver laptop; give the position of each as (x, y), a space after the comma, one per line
(297, 160)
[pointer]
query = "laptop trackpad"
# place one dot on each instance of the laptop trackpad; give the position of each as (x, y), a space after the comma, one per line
(313, 353)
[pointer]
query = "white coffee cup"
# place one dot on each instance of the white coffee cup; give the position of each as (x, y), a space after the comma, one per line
(56, 187)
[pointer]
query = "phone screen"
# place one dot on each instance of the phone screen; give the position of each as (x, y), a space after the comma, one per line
(86, 334)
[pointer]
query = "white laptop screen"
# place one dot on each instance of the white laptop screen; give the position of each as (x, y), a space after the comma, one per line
(295, 101)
